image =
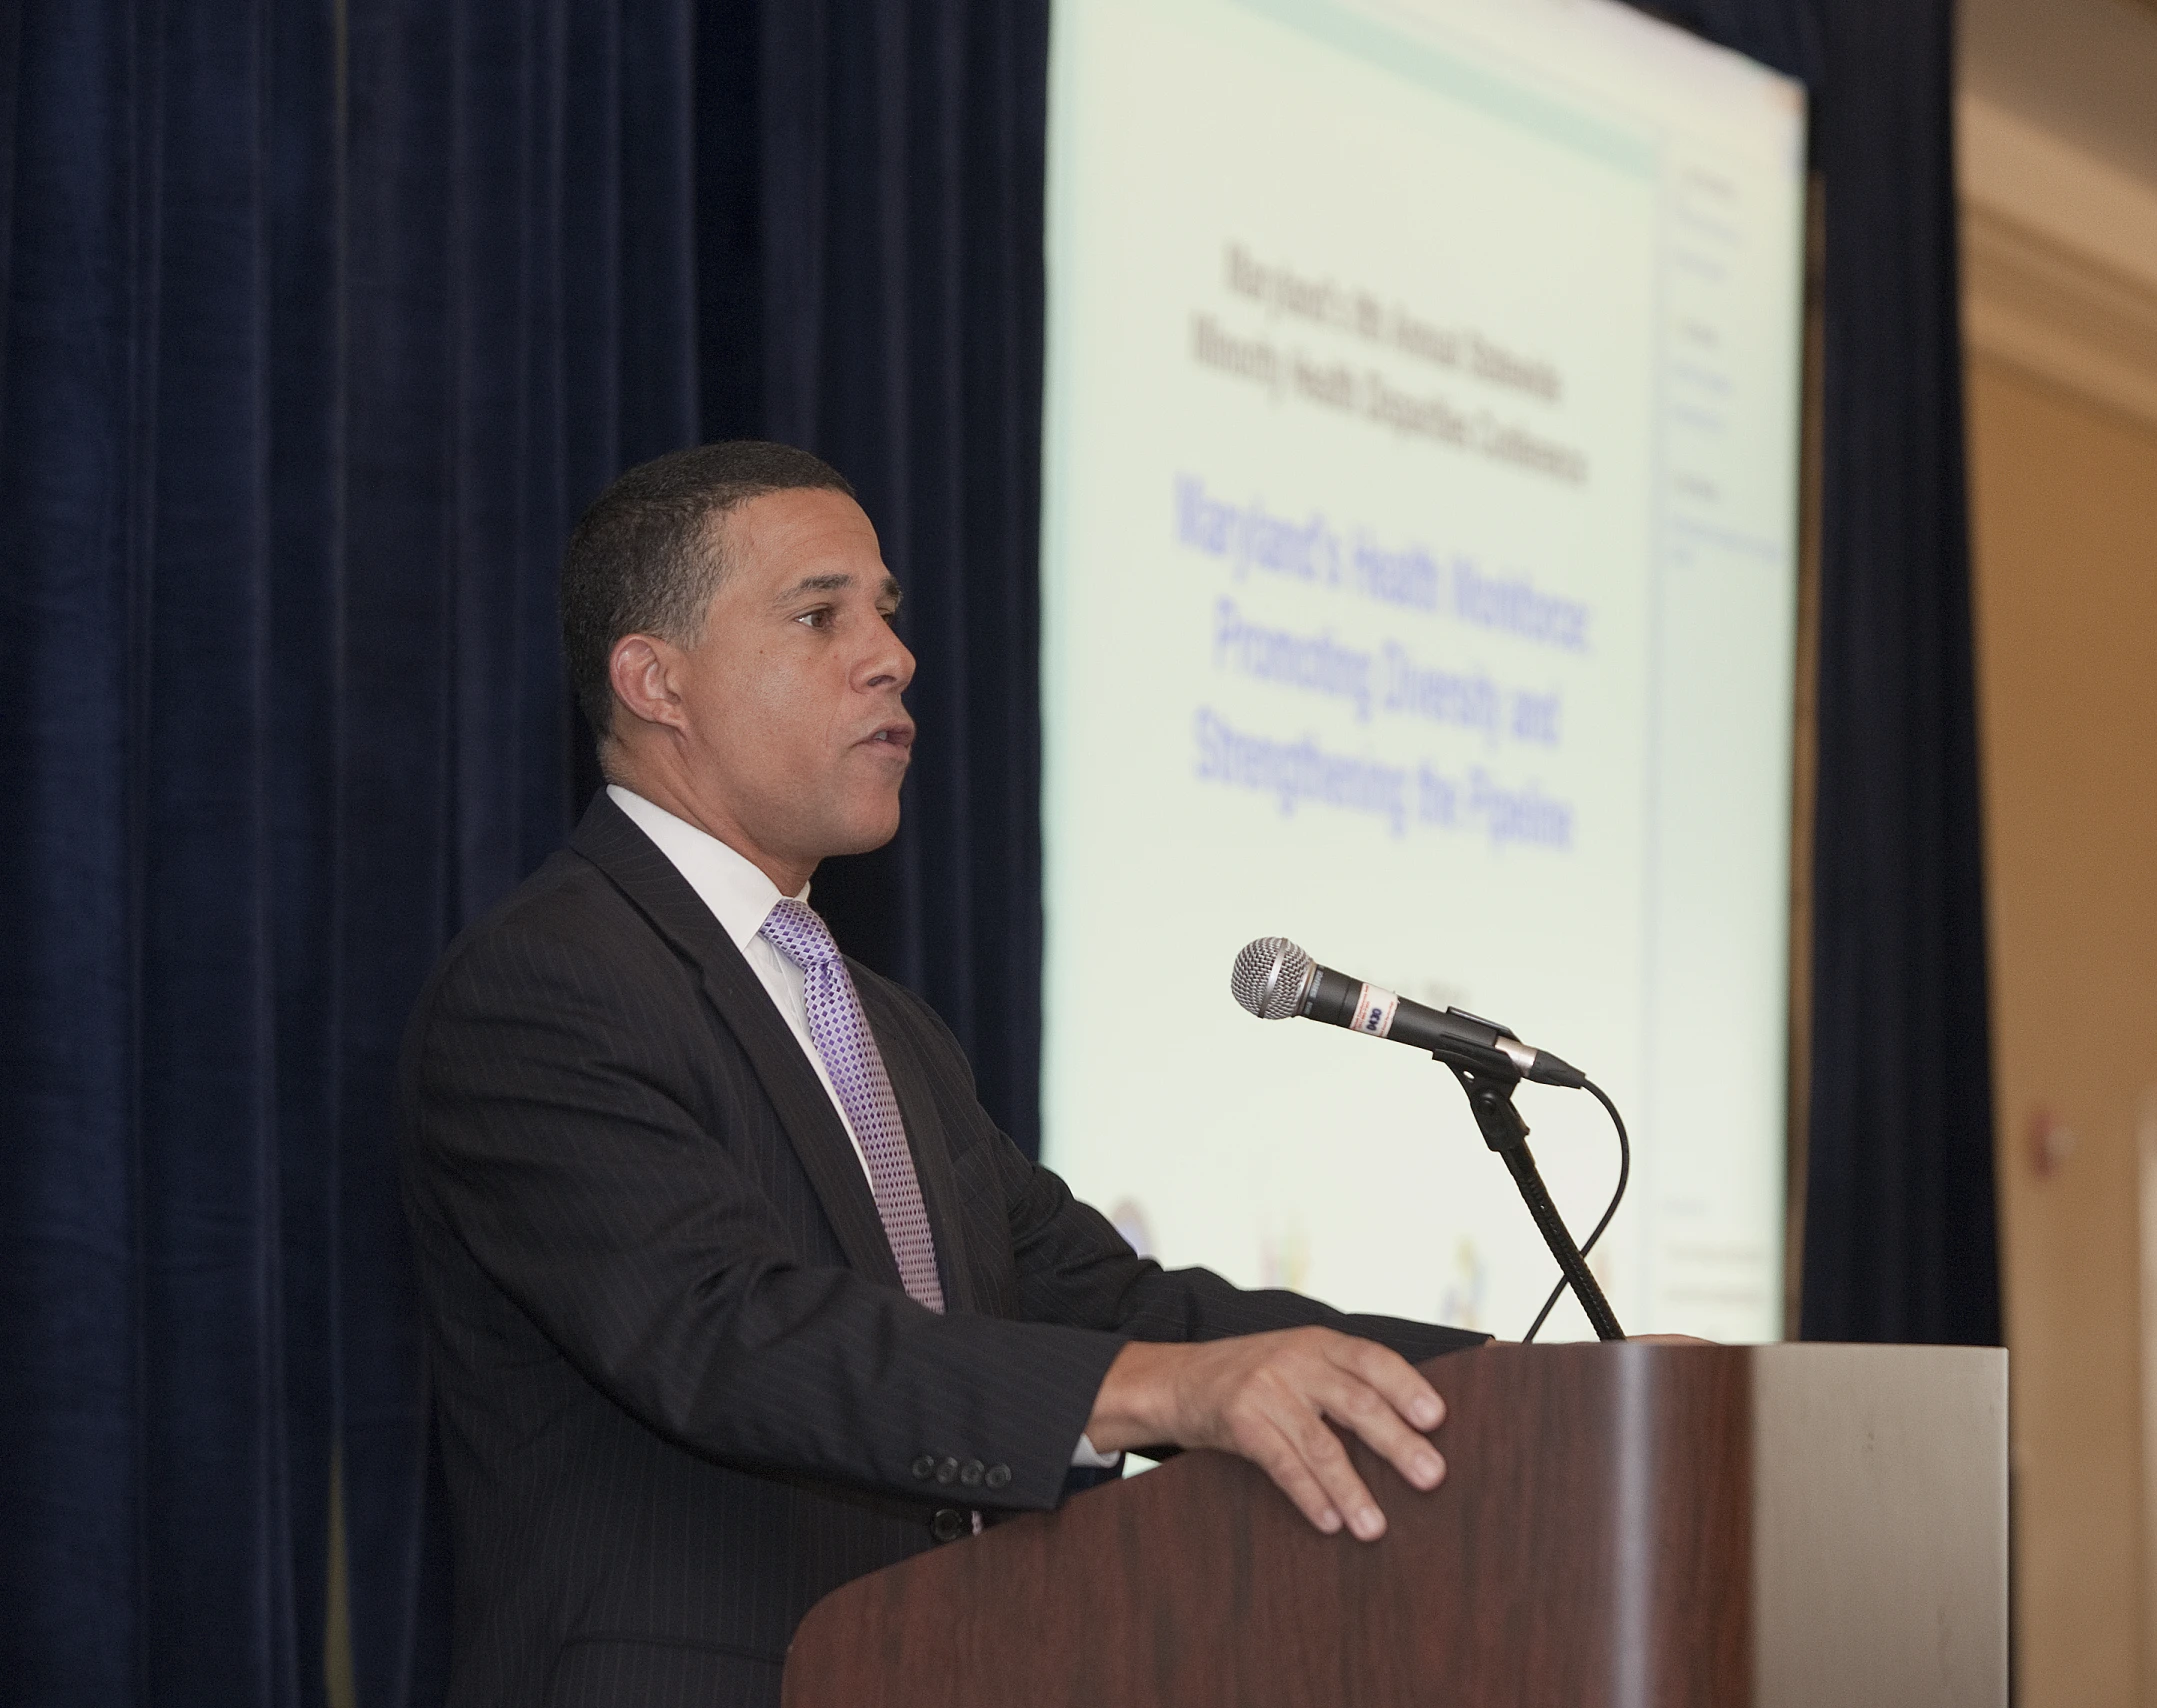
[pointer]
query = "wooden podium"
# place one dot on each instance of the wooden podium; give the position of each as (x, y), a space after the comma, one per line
(1638, 1526)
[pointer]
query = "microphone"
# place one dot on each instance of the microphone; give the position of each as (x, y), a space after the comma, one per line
(1276, 980)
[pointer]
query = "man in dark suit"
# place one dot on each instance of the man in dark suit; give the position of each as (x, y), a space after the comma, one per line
(735, 1293)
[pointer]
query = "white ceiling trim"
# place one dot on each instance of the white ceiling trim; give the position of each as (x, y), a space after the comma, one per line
(2059, 258)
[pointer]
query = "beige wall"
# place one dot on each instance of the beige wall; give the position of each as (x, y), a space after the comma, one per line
(2060, 318)
(2064, 500)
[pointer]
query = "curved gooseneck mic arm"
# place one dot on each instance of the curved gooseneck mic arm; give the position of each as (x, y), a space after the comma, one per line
(1490, 1096)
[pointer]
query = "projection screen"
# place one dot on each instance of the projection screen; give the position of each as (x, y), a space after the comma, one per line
(1419, 568)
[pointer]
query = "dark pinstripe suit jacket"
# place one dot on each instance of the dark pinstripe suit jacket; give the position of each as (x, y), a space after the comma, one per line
(680, 1390)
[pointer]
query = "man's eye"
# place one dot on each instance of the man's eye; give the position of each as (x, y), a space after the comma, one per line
(820, 618)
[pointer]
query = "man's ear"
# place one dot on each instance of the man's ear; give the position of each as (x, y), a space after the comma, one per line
(645, 672)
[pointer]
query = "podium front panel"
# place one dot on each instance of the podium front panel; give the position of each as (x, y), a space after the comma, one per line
(1623, 1526)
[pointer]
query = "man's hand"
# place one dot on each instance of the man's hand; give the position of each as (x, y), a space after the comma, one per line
(1267, 1397)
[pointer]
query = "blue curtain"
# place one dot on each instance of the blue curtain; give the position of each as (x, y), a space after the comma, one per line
(319, 321)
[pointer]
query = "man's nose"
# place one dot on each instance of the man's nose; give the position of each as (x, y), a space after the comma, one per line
(889, 664)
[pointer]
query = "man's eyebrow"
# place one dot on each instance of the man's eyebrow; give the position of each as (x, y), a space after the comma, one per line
(837, 582)
(817, 584)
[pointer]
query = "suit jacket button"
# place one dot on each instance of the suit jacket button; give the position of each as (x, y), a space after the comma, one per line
(947, 1470)
(999, 1476)
(924, 1467)
(970, 1472)
(948, 1525)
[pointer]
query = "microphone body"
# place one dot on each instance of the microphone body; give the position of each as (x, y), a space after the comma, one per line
(1276, 980)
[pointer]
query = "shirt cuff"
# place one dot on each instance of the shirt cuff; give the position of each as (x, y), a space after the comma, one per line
(1087, 1459)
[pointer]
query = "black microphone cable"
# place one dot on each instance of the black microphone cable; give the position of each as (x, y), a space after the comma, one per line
(1625, 1172)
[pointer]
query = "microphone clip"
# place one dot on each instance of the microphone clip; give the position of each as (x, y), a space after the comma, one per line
(1490, 1099)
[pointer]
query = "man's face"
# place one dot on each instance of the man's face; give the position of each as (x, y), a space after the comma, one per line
(792, 723)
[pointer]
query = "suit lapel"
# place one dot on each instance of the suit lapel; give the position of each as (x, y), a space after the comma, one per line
(925, 1137)
(614, 844)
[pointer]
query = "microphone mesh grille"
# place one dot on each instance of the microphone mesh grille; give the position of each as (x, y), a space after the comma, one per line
(1268, 977)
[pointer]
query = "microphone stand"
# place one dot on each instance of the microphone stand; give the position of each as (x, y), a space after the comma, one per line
(1490, 1096)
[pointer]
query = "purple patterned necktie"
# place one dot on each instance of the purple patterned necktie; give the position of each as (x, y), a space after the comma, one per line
(843, 1039)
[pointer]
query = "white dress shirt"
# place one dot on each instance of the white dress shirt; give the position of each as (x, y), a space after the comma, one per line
(740, 896)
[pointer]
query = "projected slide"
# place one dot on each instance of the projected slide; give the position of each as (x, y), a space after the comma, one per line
(1419, 545)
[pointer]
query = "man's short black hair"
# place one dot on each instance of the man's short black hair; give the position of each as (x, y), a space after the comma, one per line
(645, 559)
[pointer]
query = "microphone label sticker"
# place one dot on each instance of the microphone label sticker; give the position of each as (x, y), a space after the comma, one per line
(1374, 1011)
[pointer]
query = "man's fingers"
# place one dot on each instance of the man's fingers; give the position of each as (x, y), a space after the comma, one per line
(1327, 1461)
(1372, 1416)
(1270, 1397)
(1393, 1376)
(1376, 1388)
(1275, 1454)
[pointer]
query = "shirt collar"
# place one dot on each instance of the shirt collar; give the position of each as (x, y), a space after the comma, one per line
(730, 884)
